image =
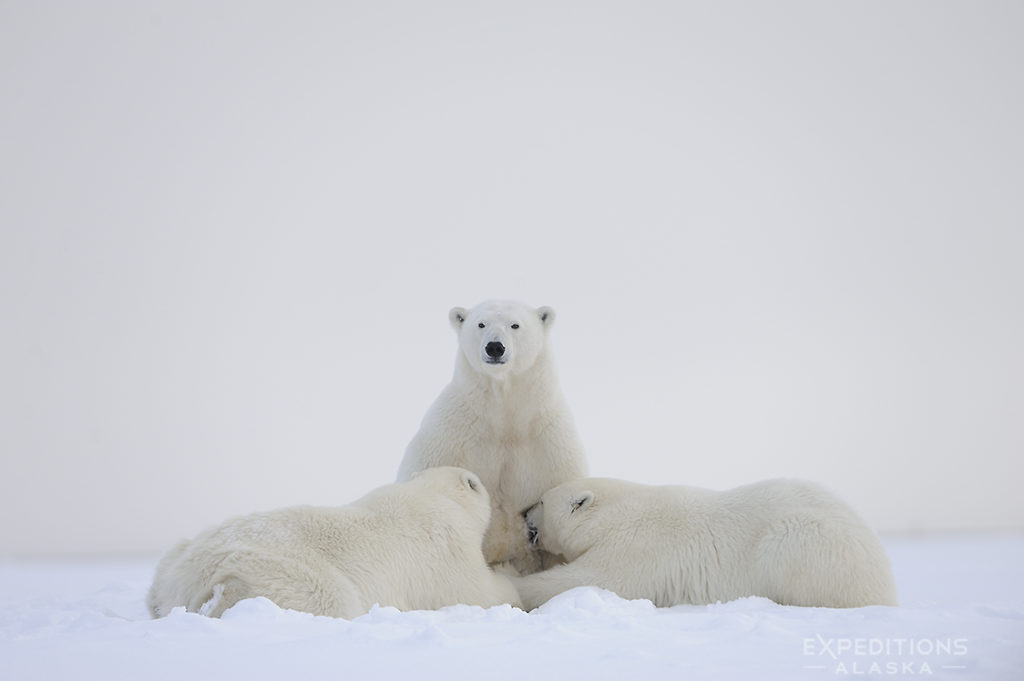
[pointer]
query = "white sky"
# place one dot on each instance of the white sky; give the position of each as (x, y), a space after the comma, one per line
(782, 240)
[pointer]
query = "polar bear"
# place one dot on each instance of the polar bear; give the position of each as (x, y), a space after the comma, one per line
(504, 418)
(414, 545)
(787, 540)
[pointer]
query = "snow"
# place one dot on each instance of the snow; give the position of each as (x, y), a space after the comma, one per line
(961, 617)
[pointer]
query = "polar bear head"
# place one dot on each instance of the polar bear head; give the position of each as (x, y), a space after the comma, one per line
(573, 517)
(460, 486)
(500, 337)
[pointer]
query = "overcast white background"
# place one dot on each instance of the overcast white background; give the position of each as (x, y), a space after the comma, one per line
(782, 239)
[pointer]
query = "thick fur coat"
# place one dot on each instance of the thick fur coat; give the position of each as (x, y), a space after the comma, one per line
(503, 417)
(787, 540)
(413, 545)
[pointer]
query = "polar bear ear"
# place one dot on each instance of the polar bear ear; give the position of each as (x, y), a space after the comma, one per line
(547, 316)
(456, 316)
(471, 481)
(581, 500)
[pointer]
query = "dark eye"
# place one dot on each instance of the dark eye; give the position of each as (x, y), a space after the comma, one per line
(481, 325)
(515, 326)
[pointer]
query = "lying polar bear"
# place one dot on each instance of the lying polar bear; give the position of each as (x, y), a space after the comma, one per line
(412, 545)
(790, 541)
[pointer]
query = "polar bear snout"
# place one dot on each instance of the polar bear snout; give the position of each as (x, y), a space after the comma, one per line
(532, 516)
(495, 352)
(532, 534)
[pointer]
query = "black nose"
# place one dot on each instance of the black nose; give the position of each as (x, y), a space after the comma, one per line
(494, 349)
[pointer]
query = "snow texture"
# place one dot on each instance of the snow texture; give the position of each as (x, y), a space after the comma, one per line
(961, 617)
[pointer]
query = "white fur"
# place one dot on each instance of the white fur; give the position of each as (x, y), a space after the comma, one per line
(413, 545)
(787, 540)
(508, 423)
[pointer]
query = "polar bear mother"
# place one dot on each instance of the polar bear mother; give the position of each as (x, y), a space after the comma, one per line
(504, 418)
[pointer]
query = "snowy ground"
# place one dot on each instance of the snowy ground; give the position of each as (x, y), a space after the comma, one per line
(962, 617)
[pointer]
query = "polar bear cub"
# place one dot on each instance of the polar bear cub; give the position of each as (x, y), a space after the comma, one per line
(504, 418)
(414, 545)
(787, 540)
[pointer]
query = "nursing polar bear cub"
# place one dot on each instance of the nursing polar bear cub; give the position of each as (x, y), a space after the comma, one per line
(504, 418)
(414, 545)
(786, 540)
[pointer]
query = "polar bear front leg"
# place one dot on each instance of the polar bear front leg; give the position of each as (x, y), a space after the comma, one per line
(537, 589)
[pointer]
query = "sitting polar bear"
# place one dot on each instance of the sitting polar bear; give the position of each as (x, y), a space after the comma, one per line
(504, 418)
(414, 545)
(787, 540)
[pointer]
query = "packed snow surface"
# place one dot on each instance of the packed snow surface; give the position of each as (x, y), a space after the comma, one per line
(961, 617)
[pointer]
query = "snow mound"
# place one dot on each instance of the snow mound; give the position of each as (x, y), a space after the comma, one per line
(962, 618)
